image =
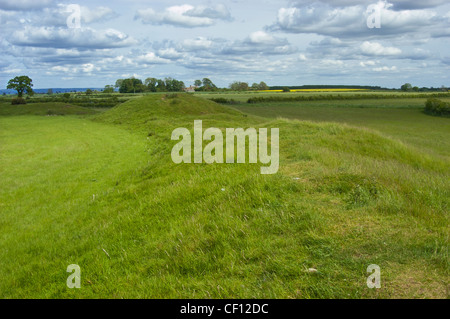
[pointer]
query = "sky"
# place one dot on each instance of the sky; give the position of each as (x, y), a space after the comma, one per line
(70, 44)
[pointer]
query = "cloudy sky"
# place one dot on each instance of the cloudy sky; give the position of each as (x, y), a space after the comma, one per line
(279, 42)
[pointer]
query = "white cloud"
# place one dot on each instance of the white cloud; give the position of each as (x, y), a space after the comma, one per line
(263, 38)
(320, 19)
(199, 43)
(87, 68)
(332, 62)
(185, 15)
(151, 58)
(71, 38)
(367, 63)
(57, 16)
(385, 69)
(218, 11)
(258, 42)
(397, 4)
(351, 20)
(375, 48)
(169, 53)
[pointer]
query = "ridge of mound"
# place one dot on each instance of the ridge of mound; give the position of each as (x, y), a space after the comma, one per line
(139, 112)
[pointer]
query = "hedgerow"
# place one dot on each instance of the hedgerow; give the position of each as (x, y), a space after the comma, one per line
(222, 100)
(330, 97)
(80, 101)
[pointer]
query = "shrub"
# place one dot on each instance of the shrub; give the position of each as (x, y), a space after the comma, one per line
(18, 100)
(437, 107)
(222, 100)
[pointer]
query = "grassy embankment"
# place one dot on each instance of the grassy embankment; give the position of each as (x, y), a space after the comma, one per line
(102, 192)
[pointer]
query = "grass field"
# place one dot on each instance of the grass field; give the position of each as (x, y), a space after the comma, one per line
(243, 96)
(399, 119)
(100, 190)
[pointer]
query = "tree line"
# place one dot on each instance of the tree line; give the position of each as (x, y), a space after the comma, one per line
(169, 84)
(133, 85)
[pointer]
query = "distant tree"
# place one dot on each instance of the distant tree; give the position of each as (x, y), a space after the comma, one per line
(160, 86)
(415, 89)
(263, 86)
(406, 87)
(173, 85)
(208, 85)
(169, 84)
(198, 83)
(286, 89)
(151, 83)
(255, 86)
(88, 92)
(118, 83)
(239, 86)
(49, 91)
(131, 85)
(108, 89)
(21, 84)
(66, 96)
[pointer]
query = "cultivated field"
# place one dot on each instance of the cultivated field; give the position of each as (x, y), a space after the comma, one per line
(360, 182)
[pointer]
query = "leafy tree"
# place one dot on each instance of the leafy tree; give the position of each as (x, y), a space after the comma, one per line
(255, 86)
(151, 83)
(198, 83)
(21, 84)
(286, 89)
(88, 92)
(108, 89)
(161, 86)
(239, 86)
(406, 87)
(173, 85)
(118, 83)
(169, 84)
(263, 86)
(50, 91)
(131, 85)
(208, 85)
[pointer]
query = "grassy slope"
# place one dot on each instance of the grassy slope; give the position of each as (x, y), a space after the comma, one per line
(399, 119)
(344, 198)
(55, 108)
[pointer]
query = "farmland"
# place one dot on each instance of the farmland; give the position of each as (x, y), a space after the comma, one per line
(361, 182)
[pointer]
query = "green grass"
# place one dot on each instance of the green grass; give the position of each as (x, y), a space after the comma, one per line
(400, 119)
(344, 198)
(243, 96)
(55, 108)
